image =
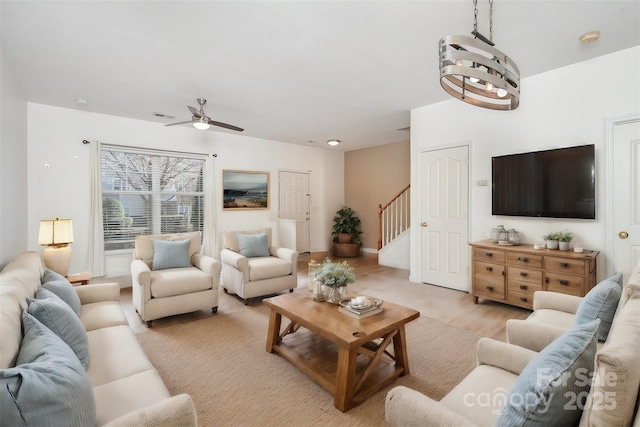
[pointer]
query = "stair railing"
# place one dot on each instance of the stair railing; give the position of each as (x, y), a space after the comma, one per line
(394, 217)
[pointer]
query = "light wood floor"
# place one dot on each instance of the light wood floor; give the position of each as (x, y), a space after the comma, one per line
(390, 284)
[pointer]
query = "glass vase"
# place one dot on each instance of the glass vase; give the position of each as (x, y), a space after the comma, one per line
(334, 295)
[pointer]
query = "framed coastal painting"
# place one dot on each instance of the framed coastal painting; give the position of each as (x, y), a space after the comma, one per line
(245, 190)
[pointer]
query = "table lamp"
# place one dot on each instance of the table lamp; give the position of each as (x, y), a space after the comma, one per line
(56, 234)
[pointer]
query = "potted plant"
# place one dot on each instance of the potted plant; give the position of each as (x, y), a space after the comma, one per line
(564, 238)
(345, 234)
(345, 225)
(551, 239)
(334, 277)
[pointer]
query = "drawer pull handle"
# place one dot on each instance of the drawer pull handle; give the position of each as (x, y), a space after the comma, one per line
(490, 288)
(489, 254)
(564, 282)
(522, 258)
(563, 264)
(523, 274)
(523, 299)
(523, 287)
(489, 268)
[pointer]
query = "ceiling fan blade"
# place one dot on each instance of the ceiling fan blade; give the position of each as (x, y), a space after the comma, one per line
(179, 123)
(194, 111)
(225, 125)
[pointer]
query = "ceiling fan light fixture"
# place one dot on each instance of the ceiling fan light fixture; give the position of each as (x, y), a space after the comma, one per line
(201, 124)
(472, 68)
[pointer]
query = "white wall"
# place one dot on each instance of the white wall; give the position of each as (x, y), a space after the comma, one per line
(560, 108)
(13, 165)
(63, 188)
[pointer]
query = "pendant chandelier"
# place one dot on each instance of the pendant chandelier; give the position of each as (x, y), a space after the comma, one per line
(474, 71)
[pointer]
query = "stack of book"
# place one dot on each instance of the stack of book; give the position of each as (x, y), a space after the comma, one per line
(360, 313)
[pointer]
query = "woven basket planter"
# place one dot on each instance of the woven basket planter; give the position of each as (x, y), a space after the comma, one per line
(347, 250)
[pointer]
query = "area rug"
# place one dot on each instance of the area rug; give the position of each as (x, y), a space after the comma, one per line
(221, 361)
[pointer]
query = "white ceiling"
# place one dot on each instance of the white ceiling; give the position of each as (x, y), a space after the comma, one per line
(292, 71)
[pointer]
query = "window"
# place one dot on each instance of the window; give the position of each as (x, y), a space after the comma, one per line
(147, 192)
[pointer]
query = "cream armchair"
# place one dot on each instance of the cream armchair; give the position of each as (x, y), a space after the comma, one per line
(264, 270)
(174, 279)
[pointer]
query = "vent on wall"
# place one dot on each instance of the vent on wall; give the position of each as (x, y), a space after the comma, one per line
(164, 116)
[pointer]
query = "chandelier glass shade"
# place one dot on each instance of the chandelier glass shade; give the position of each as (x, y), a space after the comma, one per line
(474, 71)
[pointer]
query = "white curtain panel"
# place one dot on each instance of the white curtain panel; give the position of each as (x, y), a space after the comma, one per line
(96, 260)
(209, 244)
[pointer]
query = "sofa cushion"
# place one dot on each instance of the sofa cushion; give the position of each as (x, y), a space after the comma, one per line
(549, 390)
(267, 268)
(601, 303)
(141, 390)
(179, 281)
(49, 386)
(103, 314)
(63, 289)
(115, 353)
(253, 245)
(480, 395)
(56, 315)
(616, 379)
(170, 254)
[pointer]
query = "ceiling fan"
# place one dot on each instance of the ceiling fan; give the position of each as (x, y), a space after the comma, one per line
(201, 121)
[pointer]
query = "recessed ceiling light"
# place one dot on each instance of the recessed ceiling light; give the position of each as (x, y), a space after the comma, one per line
(589, 37)
(333, 142)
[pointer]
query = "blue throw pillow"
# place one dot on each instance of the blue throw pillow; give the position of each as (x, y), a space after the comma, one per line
(64, 290)
(170, 254)
(49, 386)
(601, 302)
(56, 315)
(550, 390)
(253, 245)
(50, 275)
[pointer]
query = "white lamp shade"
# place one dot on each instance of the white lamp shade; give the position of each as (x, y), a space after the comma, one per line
(55, 232)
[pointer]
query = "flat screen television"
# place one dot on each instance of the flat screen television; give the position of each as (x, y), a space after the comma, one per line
(556, 183)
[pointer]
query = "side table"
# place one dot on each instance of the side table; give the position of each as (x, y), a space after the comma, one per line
(79, 278)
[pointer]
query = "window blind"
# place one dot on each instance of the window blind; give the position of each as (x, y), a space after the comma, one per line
(149, 192)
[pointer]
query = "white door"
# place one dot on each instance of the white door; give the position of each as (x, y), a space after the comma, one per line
(626, 197)
(294, 204)
(444, 217)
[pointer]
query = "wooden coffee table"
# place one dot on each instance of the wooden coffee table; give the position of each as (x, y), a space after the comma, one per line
(346, 356)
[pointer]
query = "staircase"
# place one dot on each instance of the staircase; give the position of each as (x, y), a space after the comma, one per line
(393, 231)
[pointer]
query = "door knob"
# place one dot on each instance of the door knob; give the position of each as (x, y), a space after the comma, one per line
(424, 224)
(623, 234)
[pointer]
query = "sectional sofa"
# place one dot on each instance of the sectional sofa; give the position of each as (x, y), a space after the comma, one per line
(513, 371)
(95, 374)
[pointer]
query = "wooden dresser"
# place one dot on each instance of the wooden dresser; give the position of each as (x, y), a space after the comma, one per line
(511, 274)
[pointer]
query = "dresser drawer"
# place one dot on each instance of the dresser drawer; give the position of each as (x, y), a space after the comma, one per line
(522, 300)
(566, 265)
(488, 269)
(482, 254)
(515, 285)
(564, 283)
(491, 287)
(525, 275)
(524, 260)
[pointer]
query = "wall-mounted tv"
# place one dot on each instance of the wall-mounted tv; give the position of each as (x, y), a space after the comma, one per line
(556, 183)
